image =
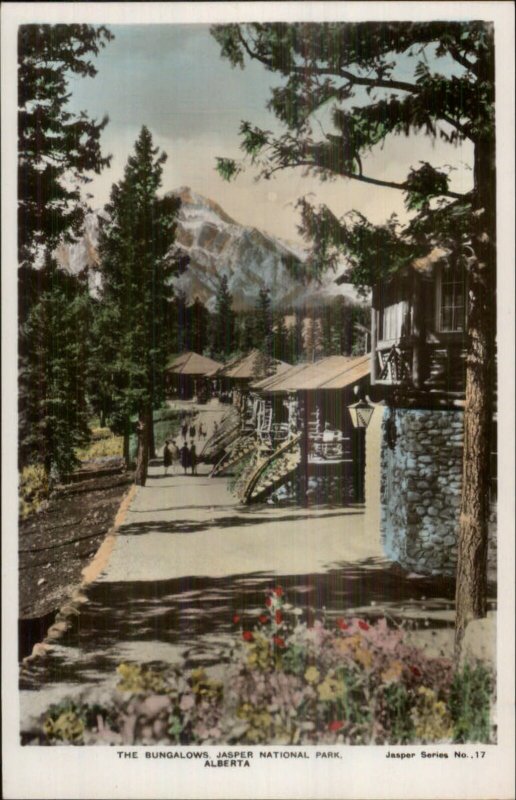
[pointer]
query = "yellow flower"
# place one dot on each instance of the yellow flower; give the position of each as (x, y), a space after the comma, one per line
(348, 644)
(431, 718)
(364, 657)
(312, 675)
(330, 689)
(393, 672)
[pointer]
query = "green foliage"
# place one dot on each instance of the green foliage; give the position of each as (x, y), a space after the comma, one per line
(283, 682)
(56, 149)
(223, 339)
(53, 415)
(137, 262)
(33, 490)
(470, 703)
(101, 446)
(360, 73)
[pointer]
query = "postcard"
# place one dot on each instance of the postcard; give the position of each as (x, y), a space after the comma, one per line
(258, 385)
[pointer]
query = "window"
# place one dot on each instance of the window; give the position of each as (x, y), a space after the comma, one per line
(451, 299)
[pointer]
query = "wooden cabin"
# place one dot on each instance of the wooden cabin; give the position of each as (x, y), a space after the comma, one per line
(418, 367)
(418, 335)
(186, 376)
(234, 378)
(307, 407)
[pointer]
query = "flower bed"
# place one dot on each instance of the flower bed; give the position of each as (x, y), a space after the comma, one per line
(290, 684)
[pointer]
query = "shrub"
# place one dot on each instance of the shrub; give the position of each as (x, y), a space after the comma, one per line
(288, 683)
(104, 444)
(34, 489)
(470, 700)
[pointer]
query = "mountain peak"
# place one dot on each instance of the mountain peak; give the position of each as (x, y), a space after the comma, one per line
(192, 199)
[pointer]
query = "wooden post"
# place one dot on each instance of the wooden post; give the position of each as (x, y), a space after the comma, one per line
(417, 330)
(374, 336)
(304, 443)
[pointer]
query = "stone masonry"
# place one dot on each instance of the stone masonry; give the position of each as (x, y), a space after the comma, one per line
(421, 478)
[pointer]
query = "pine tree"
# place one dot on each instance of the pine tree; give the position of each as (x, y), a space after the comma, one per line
(137, 263)
(223, 342)
(280, 339)
(328, 65)
(198, 326)
(53, 415)
(263, 334)
(246, 325)
(56, 148)
(56, 151)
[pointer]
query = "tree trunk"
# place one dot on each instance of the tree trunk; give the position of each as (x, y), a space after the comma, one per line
(150, 428)
(142, 459)
(126, 453)
(471, 587)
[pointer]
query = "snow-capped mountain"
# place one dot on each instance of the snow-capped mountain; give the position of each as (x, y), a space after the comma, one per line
(218, 245)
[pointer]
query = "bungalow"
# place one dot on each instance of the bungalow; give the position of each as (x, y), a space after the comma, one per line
(418, 333)
(240, 372)
(301, 420)
(185, 375)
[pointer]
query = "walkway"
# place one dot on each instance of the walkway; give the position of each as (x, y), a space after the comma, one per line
(187, 558)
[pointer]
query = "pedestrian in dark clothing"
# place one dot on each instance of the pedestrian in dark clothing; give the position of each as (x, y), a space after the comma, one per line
(185, 457)
(193, 458)
(167, 457)
(192, 431)
(184, 430)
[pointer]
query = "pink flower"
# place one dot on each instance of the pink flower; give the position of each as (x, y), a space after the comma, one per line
(278, 591)
(247, 636)
(336, 725)
(263, 618)
(278, 617)
(236, 619)
(342, 624)
(278, 641)
(363, 625)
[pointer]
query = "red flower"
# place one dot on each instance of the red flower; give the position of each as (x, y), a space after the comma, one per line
(236, 619)
(363, 625)
(342, 625)
(415, 671)
(278, 641)
(278, 617)
(278, 591)
(336, 725)
(247, 636)
(268, 602)
(263, 618)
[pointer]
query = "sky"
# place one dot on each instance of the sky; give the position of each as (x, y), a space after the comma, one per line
(172, 79)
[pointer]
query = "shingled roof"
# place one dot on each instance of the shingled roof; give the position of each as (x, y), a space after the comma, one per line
(334, 372)
(192, 364)
(246, 367)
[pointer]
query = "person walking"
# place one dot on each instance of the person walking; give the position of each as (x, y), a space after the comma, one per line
(167, 456)
(193, 457)
(184, 429)
(202, 432)
(185, 457)
(175, 456)
(192, 430)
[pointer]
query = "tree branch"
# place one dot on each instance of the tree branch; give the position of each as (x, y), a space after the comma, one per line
(357, 80)
(460, 59)
(361, 178)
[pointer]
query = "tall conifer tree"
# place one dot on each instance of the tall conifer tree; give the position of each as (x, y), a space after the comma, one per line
(137, 263)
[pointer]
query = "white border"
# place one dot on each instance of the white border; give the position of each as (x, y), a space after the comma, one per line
(363, 773)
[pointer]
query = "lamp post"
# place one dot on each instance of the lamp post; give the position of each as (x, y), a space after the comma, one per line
(361, 413)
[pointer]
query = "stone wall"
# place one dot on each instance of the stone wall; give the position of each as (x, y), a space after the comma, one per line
(421, 478)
